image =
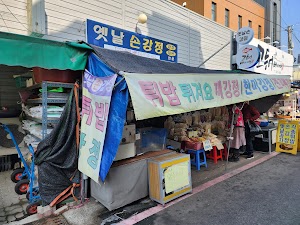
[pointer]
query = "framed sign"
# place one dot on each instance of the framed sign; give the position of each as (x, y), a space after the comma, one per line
(287, 137)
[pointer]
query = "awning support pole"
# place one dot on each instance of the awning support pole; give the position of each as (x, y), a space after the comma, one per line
(215, 53)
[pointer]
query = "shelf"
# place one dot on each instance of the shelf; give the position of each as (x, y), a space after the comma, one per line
(28, 132)
(49, 84)
(49, 120)
(49, 100)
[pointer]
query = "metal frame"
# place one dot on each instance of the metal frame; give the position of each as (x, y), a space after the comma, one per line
(45, 101)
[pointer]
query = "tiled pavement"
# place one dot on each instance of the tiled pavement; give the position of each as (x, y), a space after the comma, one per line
(12, 205)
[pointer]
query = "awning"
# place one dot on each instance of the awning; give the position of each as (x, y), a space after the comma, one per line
(155, 95)
(26, 51)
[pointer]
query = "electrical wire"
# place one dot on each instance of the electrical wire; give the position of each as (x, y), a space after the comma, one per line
(170, 6)
(4, 22)
(14, 15)
(254, 13)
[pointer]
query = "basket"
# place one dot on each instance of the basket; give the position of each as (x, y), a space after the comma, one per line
(193, 145)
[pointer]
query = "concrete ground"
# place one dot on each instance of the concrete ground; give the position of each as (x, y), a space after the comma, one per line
(12, 206)
(93, 212)
(266, 194)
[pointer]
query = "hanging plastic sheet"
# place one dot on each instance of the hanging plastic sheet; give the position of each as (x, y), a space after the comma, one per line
(117, 114)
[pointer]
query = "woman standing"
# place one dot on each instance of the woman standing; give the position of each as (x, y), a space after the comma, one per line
(249, 113)
(238, 133)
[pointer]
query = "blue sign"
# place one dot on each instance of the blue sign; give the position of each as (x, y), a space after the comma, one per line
(110, 37)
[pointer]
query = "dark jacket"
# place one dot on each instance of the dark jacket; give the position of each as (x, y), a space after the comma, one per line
(250, 113)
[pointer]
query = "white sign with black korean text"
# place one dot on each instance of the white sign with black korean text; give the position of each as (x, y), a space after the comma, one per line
(244, 35)
(272, 61)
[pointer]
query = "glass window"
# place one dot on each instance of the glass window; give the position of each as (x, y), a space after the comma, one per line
(259, 32)
(214, 11)
(240, 22)
(249, 23)
(227, 17)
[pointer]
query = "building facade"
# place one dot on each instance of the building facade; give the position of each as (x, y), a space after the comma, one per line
(230, 13)
(272, 19)
(197, 37)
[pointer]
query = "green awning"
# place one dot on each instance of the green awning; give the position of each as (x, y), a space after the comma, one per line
(26, 51)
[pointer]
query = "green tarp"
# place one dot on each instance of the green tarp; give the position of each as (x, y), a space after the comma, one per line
(26, 51)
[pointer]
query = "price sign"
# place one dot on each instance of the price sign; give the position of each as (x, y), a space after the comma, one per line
(207, 145)
(287, 137)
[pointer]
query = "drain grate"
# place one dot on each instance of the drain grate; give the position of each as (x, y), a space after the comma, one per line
(57, 220)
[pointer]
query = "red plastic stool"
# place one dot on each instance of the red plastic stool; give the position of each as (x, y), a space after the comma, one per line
(213, 154)
(225, 151)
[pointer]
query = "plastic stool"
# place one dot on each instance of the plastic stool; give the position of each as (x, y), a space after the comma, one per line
(213, 154)
(225, 152)
(197, 160)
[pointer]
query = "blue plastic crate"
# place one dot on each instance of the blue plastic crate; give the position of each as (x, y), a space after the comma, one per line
(152, 139)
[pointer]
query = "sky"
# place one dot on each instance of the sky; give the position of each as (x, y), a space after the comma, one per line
(290, 15)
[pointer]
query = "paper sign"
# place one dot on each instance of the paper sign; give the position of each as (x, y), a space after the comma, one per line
(96, 96)
(177, 177)
(207, 145)
(287, 136)
(219, 145)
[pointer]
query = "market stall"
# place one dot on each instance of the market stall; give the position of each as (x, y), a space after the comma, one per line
(37, 77)
(159, 96)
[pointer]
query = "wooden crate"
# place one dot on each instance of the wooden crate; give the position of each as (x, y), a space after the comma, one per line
(169, 177)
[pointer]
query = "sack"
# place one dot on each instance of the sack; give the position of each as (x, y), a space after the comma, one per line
(254, 128)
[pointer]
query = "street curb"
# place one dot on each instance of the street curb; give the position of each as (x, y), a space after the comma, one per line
(143, 215)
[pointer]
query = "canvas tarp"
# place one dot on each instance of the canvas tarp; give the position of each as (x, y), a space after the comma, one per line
(26, 51)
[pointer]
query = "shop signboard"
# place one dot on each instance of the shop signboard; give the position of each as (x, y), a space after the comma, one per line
(287, 136)
(155, 95)
(244, 35)
(110, 37)
(272, 61)
(96, 96)
(247, 56)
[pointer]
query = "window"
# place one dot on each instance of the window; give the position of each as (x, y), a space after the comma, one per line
(227, 17)
(214, 11)
(274, 22)
(240, 22)
(259, 32)
(249, 23)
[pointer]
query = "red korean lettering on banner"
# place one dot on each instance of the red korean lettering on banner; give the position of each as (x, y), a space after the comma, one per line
(219, 89)
(169, 90)
(101, 113)
(151, 91)
(87, 109)
(236, 88)
(227, 88)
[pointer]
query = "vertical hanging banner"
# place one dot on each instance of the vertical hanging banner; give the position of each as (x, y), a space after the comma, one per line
(96, 96)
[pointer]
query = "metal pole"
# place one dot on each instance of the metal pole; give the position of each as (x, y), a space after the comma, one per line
(290, 40)
(214, 54)
(230, 138)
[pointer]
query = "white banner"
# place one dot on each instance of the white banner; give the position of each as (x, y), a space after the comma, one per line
(96, 98)
(155, 95)
(272, 61)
